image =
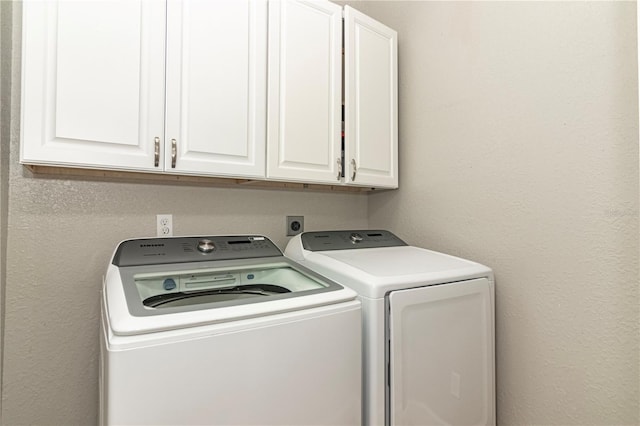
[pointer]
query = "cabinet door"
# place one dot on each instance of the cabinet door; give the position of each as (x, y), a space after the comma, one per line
(305, 91)
(216, 87)
(93, 83)
(371, 99)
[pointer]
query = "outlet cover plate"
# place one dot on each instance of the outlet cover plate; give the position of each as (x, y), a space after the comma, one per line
(164, 225)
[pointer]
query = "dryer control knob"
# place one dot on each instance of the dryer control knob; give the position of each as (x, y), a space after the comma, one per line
(355, 238)
(206, 246)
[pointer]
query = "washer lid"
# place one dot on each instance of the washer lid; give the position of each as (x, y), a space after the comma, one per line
(162, 289)
(374, 272)
(144, 299)
(169, 283)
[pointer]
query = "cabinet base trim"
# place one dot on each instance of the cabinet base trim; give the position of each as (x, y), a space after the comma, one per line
(119, 176)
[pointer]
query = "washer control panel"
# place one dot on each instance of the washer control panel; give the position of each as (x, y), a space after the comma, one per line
(155, 251)
(349, 240)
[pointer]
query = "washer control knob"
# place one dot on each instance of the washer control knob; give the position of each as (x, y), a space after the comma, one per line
(206, 246)
(355, 238)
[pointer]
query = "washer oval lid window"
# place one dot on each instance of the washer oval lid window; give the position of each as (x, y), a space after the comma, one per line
(185, 289)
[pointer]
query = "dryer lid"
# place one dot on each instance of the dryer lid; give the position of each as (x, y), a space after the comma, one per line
(375, 272)
(398, 261)
(375, 262)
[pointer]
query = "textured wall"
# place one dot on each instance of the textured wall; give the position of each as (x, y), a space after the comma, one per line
(519, 149)
(61, 234)
(6, 11)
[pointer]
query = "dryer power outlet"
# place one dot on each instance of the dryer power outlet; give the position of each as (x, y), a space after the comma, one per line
(295, 225)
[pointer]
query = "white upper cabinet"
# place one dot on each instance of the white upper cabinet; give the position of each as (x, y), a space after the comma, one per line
(305, 96)
(233, 88)
(305, 91)
(371, 99)
(93, 83)
(216, 87)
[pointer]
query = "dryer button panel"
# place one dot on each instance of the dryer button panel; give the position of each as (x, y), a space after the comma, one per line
(349, 240)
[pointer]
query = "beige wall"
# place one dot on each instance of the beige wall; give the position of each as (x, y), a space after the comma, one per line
(519, 149)
(61, 234)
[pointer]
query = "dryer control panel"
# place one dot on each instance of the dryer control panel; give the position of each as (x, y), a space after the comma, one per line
(156, 251)
(349, 240)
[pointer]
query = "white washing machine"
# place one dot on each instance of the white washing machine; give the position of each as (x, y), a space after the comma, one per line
(428, 326)
(225, 330)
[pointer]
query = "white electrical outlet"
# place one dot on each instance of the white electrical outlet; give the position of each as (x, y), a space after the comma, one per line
(164, 225)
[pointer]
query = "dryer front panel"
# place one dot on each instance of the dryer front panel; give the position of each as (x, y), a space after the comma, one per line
(441, 354)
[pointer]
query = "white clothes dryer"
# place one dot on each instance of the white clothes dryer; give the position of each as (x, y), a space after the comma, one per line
(428, 326)
(224, 330)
